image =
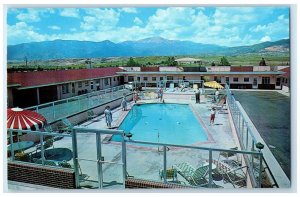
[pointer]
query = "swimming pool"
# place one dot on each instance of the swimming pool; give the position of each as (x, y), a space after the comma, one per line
(163, 123)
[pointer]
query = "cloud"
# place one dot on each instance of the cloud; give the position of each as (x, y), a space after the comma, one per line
(265, 39)
(278, 28)
(22, 33)
(70, 12)
(129, 10)
(222, 26)
(100, 19)
(137, 21)
(54, 27)
(34, 14)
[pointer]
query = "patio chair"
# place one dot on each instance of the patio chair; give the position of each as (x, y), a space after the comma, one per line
(46, 162)
(91, 114)
(67, 126)
(171, 174)
(47, 144)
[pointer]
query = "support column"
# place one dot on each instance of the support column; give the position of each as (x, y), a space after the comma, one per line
(38, 95)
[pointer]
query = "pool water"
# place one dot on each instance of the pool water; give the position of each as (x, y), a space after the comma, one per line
(163, 123)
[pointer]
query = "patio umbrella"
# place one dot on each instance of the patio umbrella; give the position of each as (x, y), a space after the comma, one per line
(18, 118)
(213, 84)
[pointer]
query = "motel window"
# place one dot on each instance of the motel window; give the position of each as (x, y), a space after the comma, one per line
(118, 78)
(106, 81)
(97, 81)
(161, 78)
(130, 78)
(235, 79)
(92, 85)
(217, 79)
(86, 83)
(79, 84)
(114, 79)
(169, 78)
(286, 80)
(145, 78)
(153, 78)
(138, 78)
(227, 80)
(265, 80)
(65, 88)
(246, 79)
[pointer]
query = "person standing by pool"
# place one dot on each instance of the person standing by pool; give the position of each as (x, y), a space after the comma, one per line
(135, 96)
(124, 104)
(161, 92)
(197, 95)
(212, 115)
(217, 95)
(108, 116)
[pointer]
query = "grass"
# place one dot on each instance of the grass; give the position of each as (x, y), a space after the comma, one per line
(241, 60)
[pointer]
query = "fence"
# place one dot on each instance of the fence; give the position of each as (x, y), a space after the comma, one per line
(57, 110)
(245, 132)
(89, 152)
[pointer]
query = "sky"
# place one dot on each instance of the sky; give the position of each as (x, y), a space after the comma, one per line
(225, 26)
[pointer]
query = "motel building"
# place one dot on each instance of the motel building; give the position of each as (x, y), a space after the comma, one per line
(26, 89)
(245, 77)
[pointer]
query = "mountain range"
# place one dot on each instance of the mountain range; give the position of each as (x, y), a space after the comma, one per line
(154, 46)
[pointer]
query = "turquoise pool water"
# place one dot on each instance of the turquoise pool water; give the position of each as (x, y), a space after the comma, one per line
(164, 123)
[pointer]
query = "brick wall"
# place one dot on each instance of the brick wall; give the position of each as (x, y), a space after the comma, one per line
(41, 175)
(131, 183)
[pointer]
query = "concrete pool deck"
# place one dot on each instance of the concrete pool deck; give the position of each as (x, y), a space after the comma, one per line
(138, 163)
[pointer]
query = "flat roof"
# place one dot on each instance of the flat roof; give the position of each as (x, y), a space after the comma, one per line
(205, 73)
(54, 77)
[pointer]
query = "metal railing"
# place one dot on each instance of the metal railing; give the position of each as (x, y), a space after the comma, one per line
(57, 110)
(210, 155)
(245, 132)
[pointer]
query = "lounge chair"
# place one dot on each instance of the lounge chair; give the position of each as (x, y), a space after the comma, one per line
(91, 114)
(233, 174)
(171, 88)
(195, 177)
(221, 105)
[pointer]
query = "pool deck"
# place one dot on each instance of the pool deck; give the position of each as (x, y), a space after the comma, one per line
(138, 163)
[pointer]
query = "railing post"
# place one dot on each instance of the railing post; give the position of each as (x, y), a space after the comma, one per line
(37, 108)
(53, 110)
(42, 149)
(165, 164)
(75, 157)
(247, 137)
(99, 160)
(260, 171)
(12, 152)
(210, 169)
(124, 159)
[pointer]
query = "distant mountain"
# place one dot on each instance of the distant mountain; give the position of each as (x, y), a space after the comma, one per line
(154, 46)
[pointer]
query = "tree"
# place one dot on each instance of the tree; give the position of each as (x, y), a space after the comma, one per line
(262, 62)
(224, 62)
(132, 63)
(213, 64)
(171, 61)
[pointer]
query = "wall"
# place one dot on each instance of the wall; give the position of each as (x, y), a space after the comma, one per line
(41, 175)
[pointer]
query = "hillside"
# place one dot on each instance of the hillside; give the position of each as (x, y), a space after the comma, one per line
(155, 46)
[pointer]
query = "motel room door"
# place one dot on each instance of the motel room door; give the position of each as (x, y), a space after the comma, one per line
(254, 84)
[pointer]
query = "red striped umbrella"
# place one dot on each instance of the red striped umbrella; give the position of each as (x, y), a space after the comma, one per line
(18, 118)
